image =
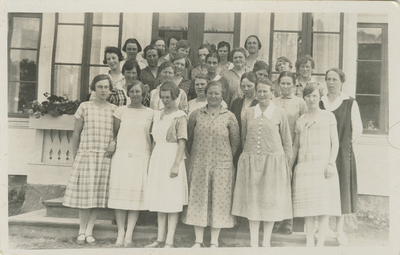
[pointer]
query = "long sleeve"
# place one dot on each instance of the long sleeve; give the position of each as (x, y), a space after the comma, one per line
(356, 123)
(244, 128)
(234, 136)
(286, 138)
(190, 130)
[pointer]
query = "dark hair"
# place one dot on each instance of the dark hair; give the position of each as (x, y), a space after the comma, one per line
(282, 59)
(224, 44)
(251, 76)
(238, 49)
(164, 65)
(303, 60)
(172, 88)
(179, 56)
(260, 65)
(132, 40)
(287, 74)
(129, 65)
(309, 88)
(213, 83)
(339, 72)
(258, 40)
(266, 82)
(177, 38)
(151, 47)
(112, 49)
(202, 76)
(207, 46)
(182, 44)
(154, 40)
(134, 83)
(213, 54)
(98, 78)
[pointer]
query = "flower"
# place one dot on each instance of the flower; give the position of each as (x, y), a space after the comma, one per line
(53, 105)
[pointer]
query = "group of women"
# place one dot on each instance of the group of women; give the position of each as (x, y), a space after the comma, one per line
(218, 143)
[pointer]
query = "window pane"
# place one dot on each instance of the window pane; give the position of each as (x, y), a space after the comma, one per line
(19, 94)
(369, 110)
(368, 77)
(288, 21)
(71, 18)
(102, 37)
(320, 78)
(173, 21)
(216, 38)
(369, 43)
(285, 45)
(325, 52)
(69, 48)
(106, 18)
(326, 22)
(96, 70)
(67, 81)
(167, 34)
(25, 32)
(219, 22)
(23, 66)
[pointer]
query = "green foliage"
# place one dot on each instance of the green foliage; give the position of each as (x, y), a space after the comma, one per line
(54, 105)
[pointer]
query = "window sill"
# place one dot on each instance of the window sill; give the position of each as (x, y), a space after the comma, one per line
(18, 123)
(373, 139)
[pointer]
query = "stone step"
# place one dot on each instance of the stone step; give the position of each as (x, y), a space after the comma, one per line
(37, 224)
(54, 208)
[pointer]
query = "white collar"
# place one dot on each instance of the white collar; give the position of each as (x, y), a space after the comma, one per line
(267, 113)
(335, 104)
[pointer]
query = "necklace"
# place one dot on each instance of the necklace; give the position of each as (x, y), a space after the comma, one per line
(214, 111)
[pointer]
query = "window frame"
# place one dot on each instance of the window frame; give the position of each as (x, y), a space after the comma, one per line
(88, 26)
(384, 90)
(11, 17)
(306, 34)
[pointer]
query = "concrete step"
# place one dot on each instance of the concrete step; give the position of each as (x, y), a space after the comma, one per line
(37, 224)
(54, 208)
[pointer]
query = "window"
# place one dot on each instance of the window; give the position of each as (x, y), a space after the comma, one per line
(23, 57)
(198, 28)
(372, 77)
(317, 34)
(78, 59)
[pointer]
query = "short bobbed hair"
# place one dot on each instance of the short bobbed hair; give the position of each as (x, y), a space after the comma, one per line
(251, 76)
(177, 38)
(209, 47)
(129, 65)
(287, 74)
(112, 49)
(154, 40)
(98, 78)
(238, 49)
(172, 88)
(224, 44)
(202, 76)
(258, 40)
(213, 54)
(339, 72)
(282, 59)
(132, 40)
(211, 84)
(310, 89)
(129, 86)
(151, 47)
(303, 60)
(265, 81)
(179, 56)
(260, 65)
(165, 65)
(182, 44)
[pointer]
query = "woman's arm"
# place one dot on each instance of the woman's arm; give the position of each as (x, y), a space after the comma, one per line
(113, 143)
(234, 136)
(76, 136)
(331, 167)
(356, 123)
(286, 137)
(178, 158)
(295, 150)
(244, 128)
(190, 129)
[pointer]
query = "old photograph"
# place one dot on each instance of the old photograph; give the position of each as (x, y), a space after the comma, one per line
(139, 126)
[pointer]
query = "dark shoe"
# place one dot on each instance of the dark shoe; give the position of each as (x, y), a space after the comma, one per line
(286, 229)
(155, 244)
(277, 225)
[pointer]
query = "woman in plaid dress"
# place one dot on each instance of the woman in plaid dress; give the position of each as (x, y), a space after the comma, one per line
(315, 182)
(93, 132)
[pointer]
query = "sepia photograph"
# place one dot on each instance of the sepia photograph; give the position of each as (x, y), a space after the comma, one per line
(175, 127)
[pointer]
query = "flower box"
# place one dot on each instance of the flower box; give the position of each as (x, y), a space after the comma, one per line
(63, 122)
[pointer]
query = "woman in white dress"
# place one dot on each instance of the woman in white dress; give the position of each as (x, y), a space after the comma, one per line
(167, 190)
(128, 177)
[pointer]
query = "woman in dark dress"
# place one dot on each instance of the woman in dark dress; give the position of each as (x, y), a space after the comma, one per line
(349, 127)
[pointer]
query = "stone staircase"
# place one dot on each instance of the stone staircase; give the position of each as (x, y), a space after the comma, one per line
(62, 222)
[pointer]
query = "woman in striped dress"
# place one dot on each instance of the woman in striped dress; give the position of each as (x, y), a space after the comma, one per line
(92, 150)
